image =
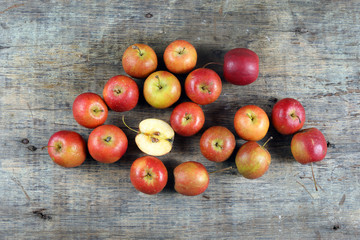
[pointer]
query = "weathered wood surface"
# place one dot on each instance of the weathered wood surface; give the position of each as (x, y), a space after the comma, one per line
(51, 51)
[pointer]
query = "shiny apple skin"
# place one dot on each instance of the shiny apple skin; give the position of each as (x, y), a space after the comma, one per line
(180, 57)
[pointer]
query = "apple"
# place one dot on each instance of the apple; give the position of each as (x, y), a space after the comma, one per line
(121, 93)
(217, 143)
(191, 178)
(107, 143)
(162, 89)
(288, 116)
(309, 145)
(187, 119)
(67, 149)
(139, 60)
(203, 86)
(148, 175)
(89, 110)
(241, 66)
(252, 160)
(251, 123)
(180, 57)
(155, 137)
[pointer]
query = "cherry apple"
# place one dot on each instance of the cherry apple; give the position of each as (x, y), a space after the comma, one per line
(217, 143)
(89, 110)
(203, 86)
(191, 178)
(121, 93)
(251, 123)
(288, 116)
(148, 175)
(252, 160)
(162, 89)
(107, 143)
(187, 119)
(309, 145)
(241, 66)
(139, 60)
(180, 57)
(67, 149)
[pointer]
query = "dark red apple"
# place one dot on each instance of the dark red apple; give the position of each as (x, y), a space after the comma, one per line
(148, 175)
(187, 119)
(241, 66)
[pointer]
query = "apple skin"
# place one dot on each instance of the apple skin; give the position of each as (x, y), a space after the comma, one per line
(148, 175)
(252, 160)
(191, 178)
(217, 143)
(161, 89)
(67, 148)
(89, 110)
(180, 57)
(203, 86)
(288, 116)
(251, 123)
(139, 60)
(241, 66)
(107, 143)
(121, 93)
(187, 119)
(309, 145)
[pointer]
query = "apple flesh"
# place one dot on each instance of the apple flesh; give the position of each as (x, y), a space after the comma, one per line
(309, 145)
(148, 175)
(217, 143)
(67, 149)
(203, 86)
(121, 93)
(89, 110)
(252, 160)
(191, 178)
(161, 89)
(187, 119)
(241, 66)
(139, 60)
(251, 123)
(180, 57)
(107, 143)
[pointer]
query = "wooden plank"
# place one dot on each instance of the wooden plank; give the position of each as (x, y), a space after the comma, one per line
(51, 51)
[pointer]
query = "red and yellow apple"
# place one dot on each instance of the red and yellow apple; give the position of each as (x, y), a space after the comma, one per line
(180, 57)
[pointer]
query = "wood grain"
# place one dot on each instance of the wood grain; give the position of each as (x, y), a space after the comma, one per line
(51, 51)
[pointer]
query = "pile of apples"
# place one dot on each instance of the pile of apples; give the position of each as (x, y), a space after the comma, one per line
(155, 137)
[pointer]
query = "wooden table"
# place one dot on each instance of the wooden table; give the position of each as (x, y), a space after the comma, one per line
(51, 51)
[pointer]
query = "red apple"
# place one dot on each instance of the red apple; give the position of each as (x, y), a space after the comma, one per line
(191, 178)
(252, 160)
(162, 89)
(180, 57)
(217, 143)
(148, 175)
(107, 143)
(67, 149)
(288, 116)
(121, 93)
(309, 145)
(251, 123)
(241, 66)
(187, 119)
(203, 86)
(89, 110)
(139, 60)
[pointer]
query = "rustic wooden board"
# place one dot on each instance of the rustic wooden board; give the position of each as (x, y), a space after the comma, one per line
(51, 51)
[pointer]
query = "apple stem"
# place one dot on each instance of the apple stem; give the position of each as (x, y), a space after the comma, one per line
(212, 63)
(123, 120)
(270, 138)
(182, 51)
(312, 171)
(44, 147)
(221, 170)
(137, 48)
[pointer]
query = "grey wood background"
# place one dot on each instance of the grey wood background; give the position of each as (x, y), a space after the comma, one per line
(51, 51)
